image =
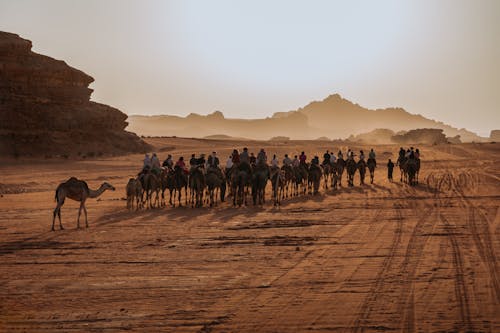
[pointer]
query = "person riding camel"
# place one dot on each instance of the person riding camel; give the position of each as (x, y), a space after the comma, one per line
(262, 157)
(287, 161)
(235, 157)
(168, 163)
(417, 154)
(213, 164)
(253, 160)
(339, 155)
(315, 161)
(361, 155)
(181, 165)
(295, 162)
(371, 156)
(350, 154)
(402, 153)
(147, 162)
(245, 161)
(274, 162)
(155, 164)
(192, 161)
(302, 158)
(332, 158)
(407, 154)
(326, 158)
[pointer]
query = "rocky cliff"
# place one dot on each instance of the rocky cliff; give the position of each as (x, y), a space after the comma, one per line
(45, 108)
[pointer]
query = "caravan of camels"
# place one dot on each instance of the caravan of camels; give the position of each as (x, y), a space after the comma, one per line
(245, 175)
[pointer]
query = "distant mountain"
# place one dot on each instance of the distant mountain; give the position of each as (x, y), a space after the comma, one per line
(333, 117)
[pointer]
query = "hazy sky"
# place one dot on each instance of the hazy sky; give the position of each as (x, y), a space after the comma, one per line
(439, 58)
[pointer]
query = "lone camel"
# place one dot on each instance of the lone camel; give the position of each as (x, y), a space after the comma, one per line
(77, 190)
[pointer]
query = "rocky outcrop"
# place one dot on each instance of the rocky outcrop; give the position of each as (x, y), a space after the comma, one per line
(422, 136)
(495, 136)
(45, 108)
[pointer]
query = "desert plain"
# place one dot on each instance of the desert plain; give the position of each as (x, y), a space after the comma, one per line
(372, 258)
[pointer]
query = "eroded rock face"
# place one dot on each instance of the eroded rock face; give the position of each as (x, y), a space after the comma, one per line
(45, 108)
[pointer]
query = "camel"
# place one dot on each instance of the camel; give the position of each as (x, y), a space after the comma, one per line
(411, 171)
(277, 183)
(327, 172)
(197, 183)
(351, 170)
(151, 184)
(180, 182)
(239, 181)
(260, 176)
(362, 171)
(301, 174)
(403, 168)
(77, 190)
(372, 164)
(314, 178)
(340, 169)
(289, 179)
(134, 193)
(215, 181)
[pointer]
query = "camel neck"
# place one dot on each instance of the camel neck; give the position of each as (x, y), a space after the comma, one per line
(96, 193)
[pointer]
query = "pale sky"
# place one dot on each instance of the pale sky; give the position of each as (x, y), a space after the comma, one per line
(249, 59)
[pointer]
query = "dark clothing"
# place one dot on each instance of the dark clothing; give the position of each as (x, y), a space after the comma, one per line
(390, 168)
(201, 161)
(253, 160)
(326, 158)
(192, 161)
(244, 158)
(213, 161)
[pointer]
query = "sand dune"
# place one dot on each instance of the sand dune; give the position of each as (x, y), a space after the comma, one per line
(381, 257)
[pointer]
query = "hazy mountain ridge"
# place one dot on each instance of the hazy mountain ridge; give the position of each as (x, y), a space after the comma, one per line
(333, 117)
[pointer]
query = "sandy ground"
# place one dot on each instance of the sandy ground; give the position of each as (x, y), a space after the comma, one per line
(381, 257)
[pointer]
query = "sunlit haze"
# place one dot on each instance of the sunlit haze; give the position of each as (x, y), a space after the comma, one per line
(250, 59)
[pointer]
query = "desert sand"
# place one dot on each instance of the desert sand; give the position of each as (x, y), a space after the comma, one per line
(381, 257)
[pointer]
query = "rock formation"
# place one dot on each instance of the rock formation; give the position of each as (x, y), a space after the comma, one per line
(333, 117)
(495, 136)
(422, 136)
(45, 108)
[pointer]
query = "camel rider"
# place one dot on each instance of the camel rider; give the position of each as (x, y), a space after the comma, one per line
(407, 154)
(302, 158)
(332, 158)
(181, 165)
(361, 156)
(147, 164)
(235, 157)
(155, 164)
(245, 161)
(339, 155)
(295, 162)
(371, 156)
(315, 161)
(213, 164)
(274, 162)
(401, 153)
(287, 161)
(229, 165)
(168, 163)
(350, 154)
(244, 157)
(201, 161)
(262, 157)
(192, 161)
(253, 160)
(417, 154)
(326, 158)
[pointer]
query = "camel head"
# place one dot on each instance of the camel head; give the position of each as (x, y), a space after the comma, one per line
(107, 186)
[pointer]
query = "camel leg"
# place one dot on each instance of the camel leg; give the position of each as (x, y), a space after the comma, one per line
(86, 221)
(78, 219)
(57, 211)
